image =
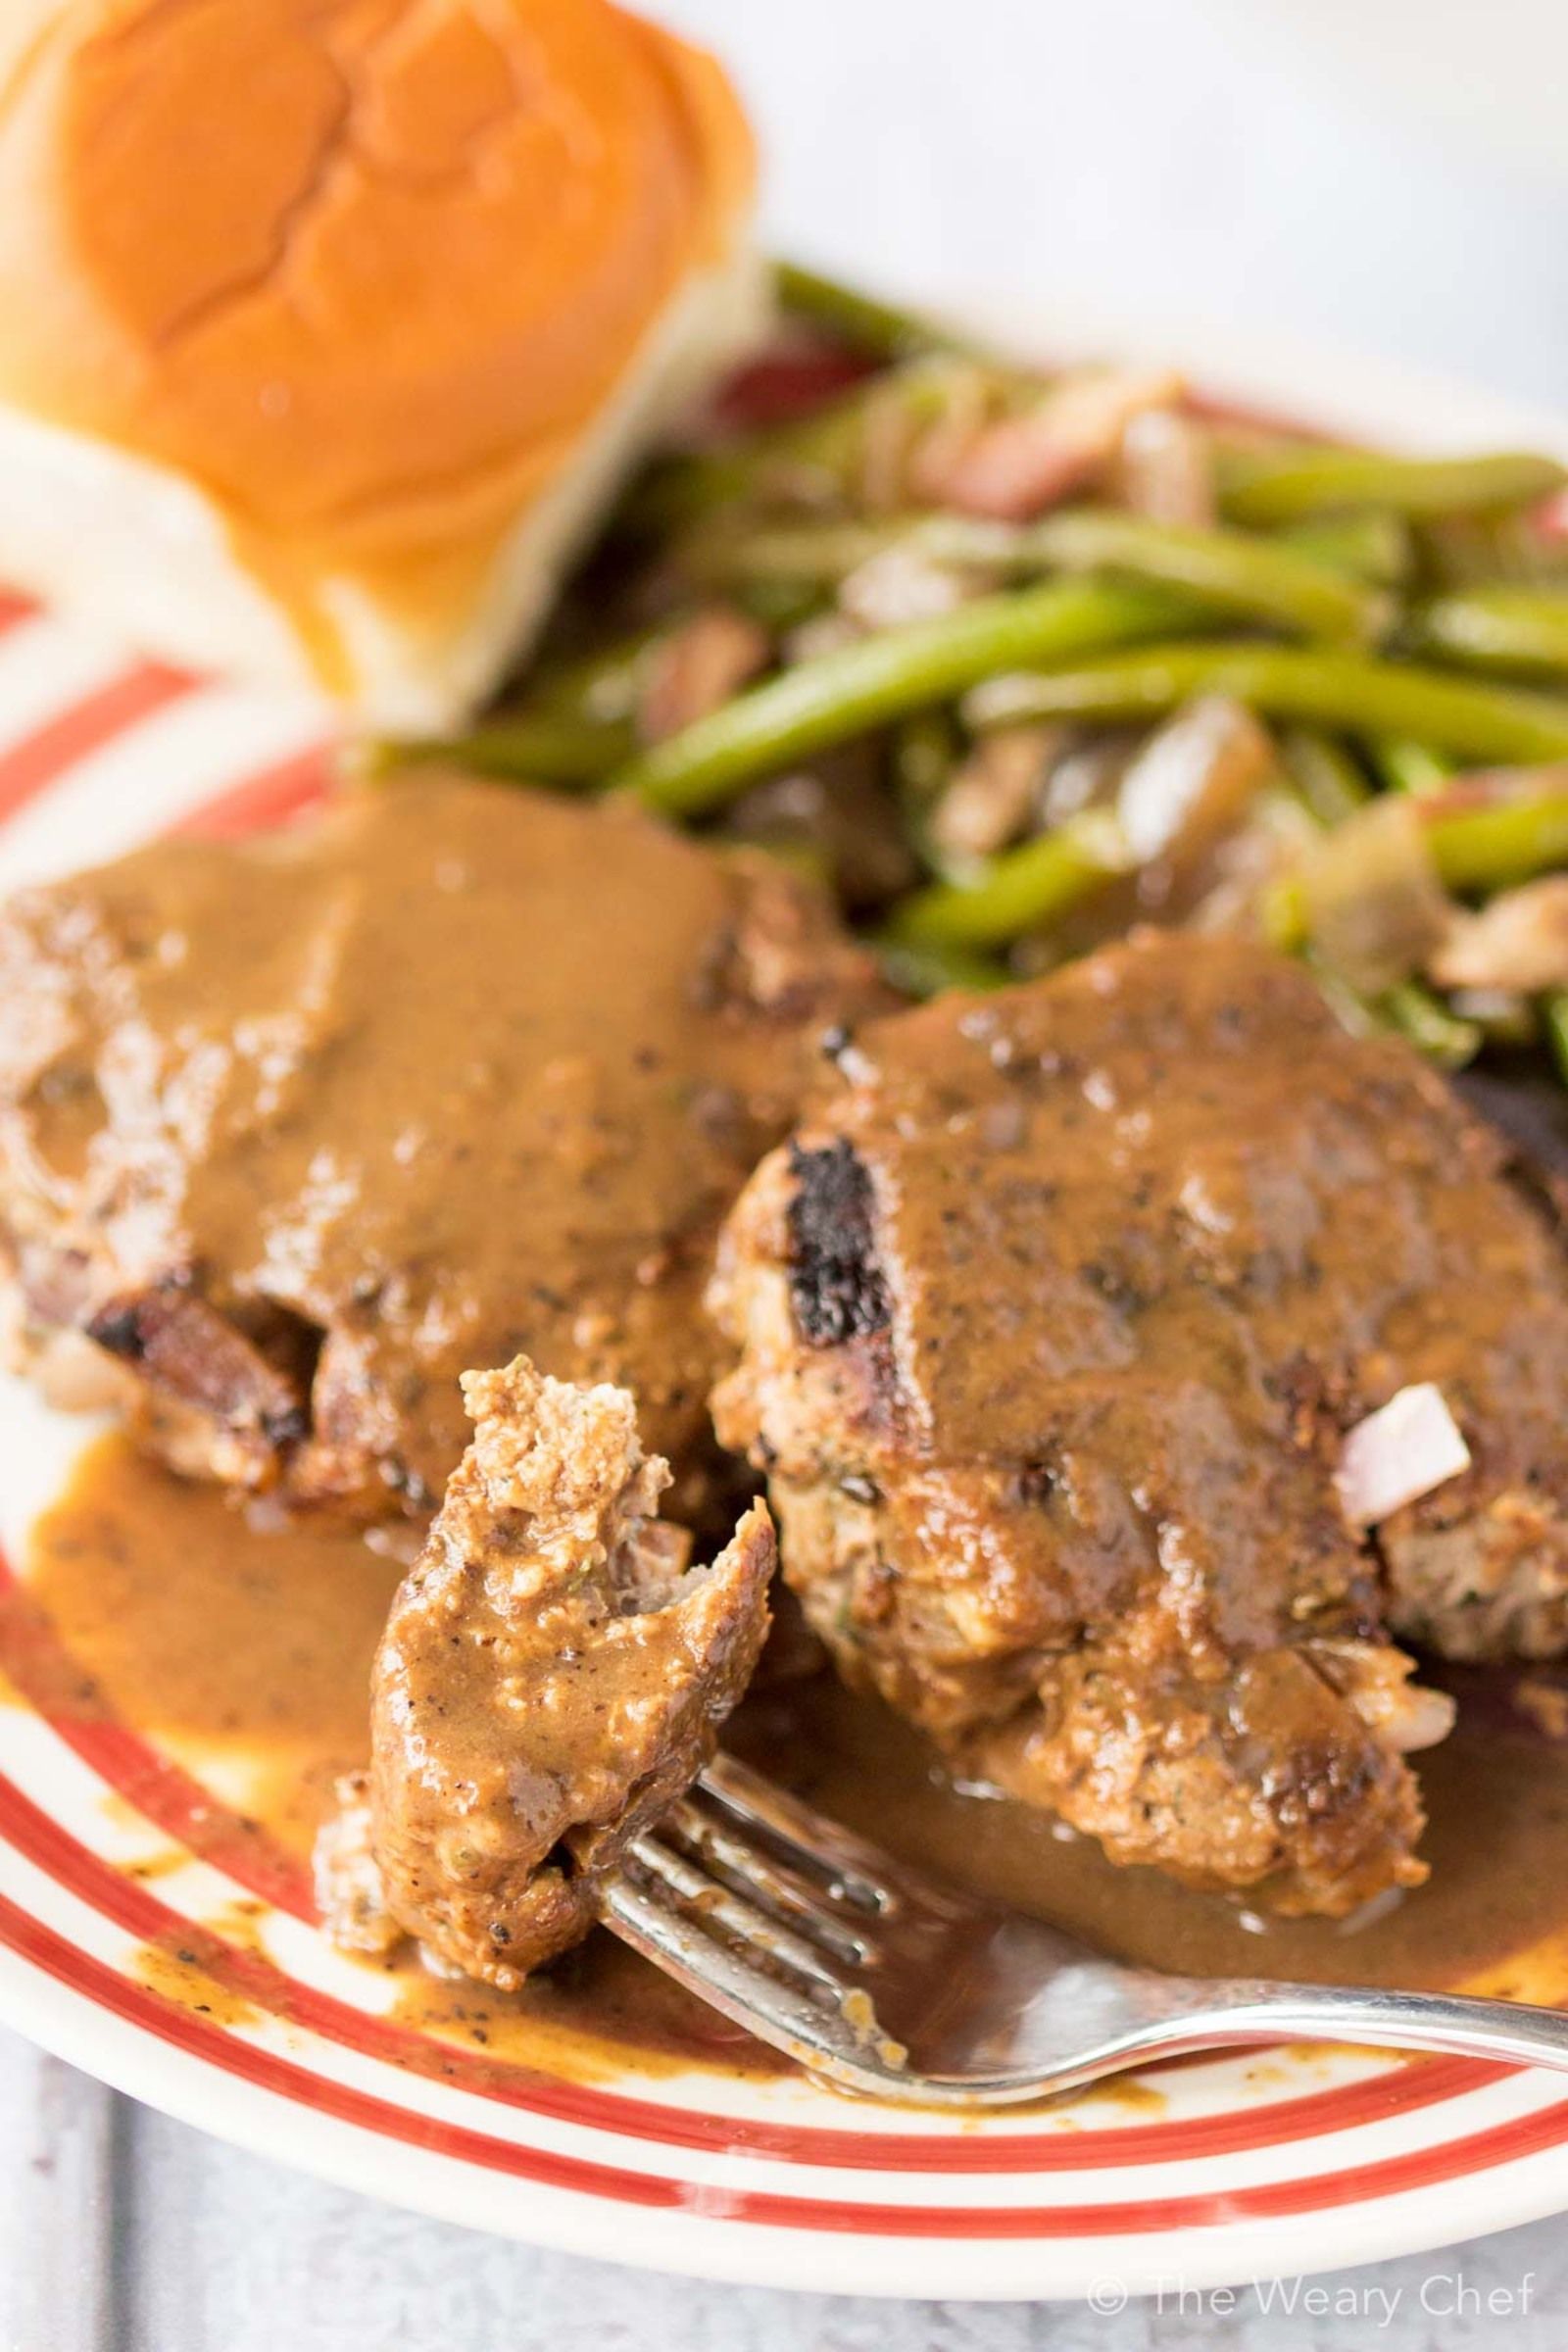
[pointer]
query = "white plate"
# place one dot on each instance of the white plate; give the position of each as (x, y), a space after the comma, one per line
(1225, 2172)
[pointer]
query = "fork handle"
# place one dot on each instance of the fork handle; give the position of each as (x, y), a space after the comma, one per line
(1512, 2032)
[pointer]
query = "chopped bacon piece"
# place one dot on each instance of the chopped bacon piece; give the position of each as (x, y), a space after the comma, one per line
(1019, 466)
(697, 669)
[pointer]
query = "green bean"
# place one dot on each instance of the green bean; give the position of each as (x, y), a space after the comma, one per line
(1477, 845)
(1408, 1006)
(1496, 843)
(1339, 690)
(1504, 629)
(1370, 546)
(1427, 1023)
(824, 554)
(1242, 577)
(780, 605)
(1262, 490)
(595, 688)
(805, 555)
(925, 969)
(819, 450)
(879, 331)
(1486, 550)
(881, 678)
(537, 748)
(807, 861)
(925, 751)
(677, 490)
(1554, 1016)
(681, 490)
(1326, 781)
(1021, 890)
(1409, 1009)
(1248, 578)
(1409, 766)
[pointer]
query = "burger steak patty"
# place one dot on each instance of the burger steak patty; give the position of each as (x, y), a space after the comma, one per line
(1050, 1322)
(292, 1129)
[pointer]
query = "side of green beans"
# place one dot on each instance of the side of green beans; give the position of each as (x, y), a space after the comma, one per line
(1021, 890)
(1347, 691)
(1402, 624)
(1511, 629)
(1262, 490)
(880, 678)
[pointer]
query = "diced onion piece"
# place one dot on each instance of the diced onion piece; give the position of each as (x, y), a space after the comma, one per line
(698, 668)
(1193, 778)
(1425, 1719)
(1412, 1446)
(1167, 468)
(1518, 943)
(1375, 909)
(1377, 1680)
(898, 587)
(993, 793)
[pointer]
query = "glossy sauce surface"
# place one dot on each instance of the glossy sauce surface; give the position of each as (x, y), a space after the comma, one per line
(240, 1077)
(243, 1653)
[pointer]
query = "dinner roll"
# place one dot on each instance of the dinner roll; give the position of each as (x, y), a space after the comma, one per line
(329, 326)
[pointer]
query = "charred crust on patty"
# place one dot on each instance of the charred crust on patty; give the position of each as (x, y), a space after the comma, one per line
(836, 1287)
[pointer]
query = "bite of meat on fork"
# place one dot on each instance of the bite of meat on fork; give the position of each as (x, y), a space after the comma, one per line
(551, 1677)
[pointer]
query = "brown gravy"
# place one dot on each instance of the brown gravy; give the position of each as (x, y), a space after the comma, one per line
(243, 1651)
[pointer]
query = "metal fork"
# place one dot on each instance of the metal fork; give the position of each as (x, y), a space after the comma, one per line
(890, 1983)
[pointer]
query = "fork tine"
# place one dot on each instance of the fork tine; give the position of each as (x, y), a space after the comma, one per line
(715, 1902)
(846, 1867)
(706, 1829)
(835, 2034)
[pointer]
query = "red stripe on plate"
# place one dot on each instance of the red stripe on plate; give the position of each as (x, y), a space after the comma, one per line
(14, 608)
(40, 1666)
(1480, 2151)
(36, 761)
(43, 1670)
(269, 797)
(41, 1840)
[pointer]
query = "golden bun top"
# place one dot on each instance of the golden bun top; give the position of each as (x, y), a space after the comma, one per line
(365, 270)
